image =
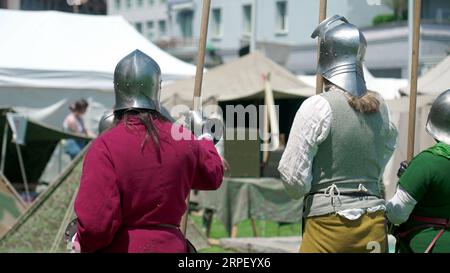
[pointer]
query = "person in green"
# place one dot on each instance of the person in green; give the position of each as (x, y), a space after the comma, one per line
(421, 205)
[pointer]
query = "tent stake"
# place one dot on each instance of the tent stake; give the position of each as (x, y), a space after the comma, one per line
(322, 17)
(197, 102)
(413, 84)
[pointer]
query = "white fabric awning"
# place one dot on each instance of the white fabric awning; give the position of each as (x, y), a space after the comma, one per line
(56, 49)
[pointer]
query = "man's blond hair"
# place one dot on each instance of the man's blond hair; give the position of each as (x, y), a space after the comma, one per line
(367, 104)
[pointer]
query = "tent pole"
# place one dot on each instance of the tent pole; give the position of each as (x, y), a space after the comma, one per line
(197, 102)
(60, 148)
(266, 123)
(65, 222)
(254, 23)
(322, 17)
(414, 73)
(4, 143)
(22, 170)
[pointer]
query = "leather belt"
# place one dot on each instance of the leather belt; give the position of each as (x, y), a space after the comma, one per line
(429, 222)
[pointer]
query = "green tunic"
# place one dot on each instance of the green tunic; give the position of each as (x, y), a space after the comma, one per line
(427, 180)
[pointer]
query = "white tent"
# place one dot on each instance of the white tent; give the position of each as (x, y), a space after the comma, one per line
(435, 81)
(49, 59)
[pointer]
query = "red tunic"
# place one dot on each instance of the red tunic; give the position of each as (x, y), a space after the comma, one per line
(125, 189)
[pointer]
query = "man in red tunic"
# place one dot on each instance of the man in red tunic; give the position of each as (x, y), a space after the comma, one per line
(137, 175)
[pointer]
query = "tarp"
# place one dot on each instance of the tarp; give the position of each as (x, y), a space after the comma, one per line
(435, 81)
(240, 199)
(11, 205)
(40, 143)
(238, 79)
(36, 230)
(41, 227)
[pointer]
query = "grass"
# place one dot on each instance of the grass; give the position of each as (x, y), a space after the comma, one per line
(265, 229)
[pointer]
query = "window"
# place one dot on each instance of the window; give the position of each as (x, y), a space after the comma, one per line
(117, 4)
(140, 3)
(138, 27)
(247, 11)
(128, 4)
(282, 18)
(185, 21)
(150, 30)
(162, 28)
(217, 22)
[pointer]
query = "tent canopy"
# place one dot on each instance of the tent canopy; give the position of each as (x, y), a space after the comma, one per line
(239, 79)
(435, 81)
(61, 50)
(40, 143)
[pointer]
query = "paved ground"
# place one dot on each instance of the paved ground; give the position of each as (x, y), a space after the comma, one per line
(272, 245)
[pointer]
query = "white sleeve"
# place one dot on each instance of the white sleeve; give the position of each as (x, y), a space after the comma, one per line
(389, 147)
(392, 136)
(311, 127)
(399, 208)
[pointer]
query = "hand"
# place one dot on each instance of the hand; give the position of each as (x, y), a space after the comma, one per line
(204, 128)
(70, 236)
(225, 164)
(195, 122)
(75, 245)
(403, 166)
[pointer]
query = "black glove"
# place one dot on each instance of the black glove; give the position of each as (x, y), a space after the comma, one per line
(73, 246)
(403, 166)
(391, 228)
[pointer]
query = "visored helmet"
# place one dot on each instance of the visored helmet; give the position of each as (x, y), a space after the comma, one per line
(342, 50)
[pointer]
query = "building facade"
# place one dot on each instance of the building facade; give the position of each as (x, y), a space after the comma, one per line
(149, 17)
(282, 29)
(96, 7)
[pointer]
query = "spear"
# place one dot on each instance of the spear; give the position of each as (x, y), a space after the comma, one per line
(322, 16)
(197, 102)
(413, 84)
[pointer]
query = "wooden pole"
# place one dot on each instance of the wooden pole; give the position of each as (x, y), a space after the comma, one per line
(197, 102)
(266, 131)
(4, 143)
(201, 56)
(413, 83)
(23, 172)
(322, 17)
